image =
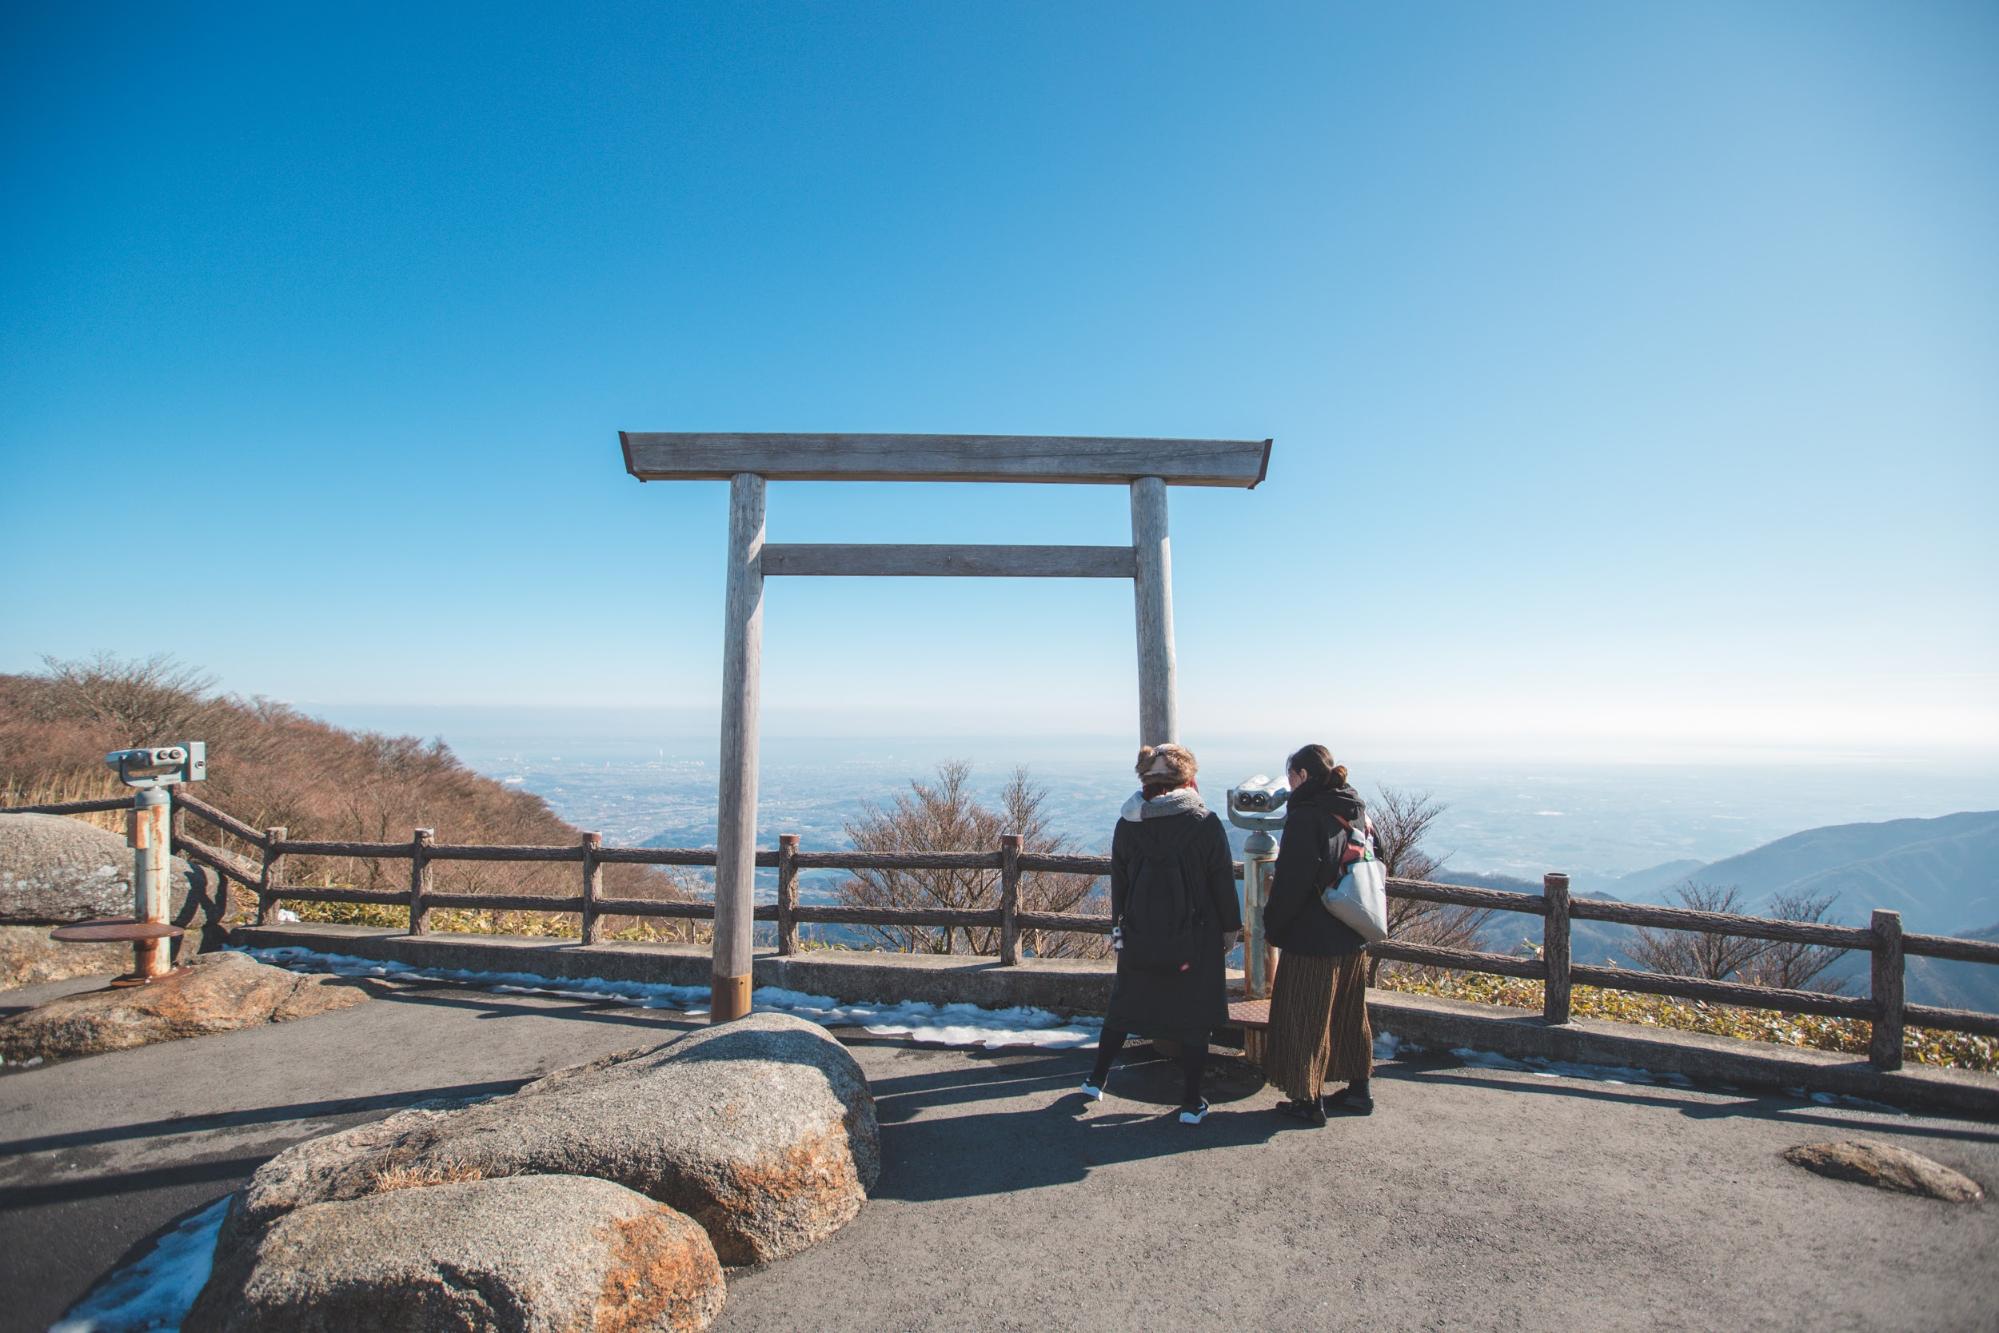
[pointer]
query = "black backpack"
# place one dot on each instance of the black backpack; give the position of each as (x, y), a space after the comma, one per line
(1163, 923)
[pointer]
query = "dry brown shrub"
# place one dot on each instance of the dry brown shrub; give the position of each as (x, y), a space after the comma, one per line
(420, 1176)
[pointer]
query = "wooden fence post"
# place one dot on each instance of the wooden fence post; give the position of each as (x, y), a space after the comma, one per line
(1884, 1050)
(593, 884)
(1009, 949)
(267, 876)
(420, 877)
(787, 894)
(1555, 950)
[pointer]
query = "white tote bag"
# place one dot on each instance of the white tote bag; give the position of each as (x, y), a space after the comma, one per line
(1359, 900)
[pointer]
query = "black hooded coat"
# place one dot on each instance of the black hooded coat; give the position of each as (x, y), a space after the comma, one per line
(1161, 1002)
(1294, 919)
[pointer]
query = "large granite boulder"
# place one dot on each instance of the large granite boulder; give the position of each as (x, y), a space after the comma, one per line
(762, 1130)
(530, 1253)
(217, 992)
(55, 869)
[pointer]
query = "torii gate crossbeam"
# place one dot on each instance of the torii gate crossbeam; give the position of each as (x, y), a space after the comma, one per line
(747, 462)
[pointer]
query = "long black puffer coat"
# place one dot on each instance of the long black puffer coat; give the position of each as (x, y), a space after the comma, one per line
(1160, 1002)
(1294, 919)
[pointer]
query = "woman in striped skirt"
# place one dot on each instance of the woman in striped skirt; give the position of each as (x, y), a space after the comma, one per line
(1319, 1032)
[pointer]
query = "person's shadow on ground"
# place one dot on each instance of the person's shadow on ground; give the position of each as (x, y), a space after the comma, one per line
(1051, 1133)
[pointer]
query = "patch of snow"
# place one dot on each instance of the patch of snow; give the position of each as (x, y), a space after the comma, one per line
(941, 1024)
(156, 1290)
(287, 916)
(1386, 1044)
(1541, 1068)
(1863, 1104)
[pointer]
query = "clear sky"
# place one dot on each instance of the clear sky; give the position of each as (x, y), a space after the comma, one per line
(1633, 369)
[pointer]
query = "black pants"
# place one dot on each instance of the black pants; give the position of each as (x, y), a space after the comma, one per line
(1193, 1063)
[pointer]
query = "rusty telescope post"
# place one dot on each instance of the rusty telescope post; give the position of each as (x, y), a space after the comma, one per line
(153, 773)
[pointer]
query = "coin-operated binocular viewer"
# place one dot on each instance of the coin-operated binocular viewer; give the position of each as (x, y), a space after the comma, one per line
(153, 773)
(1257, 805)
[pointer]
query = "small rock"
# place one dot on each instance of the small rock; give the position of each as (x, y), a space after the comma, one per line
(528, 1253)
(1886, 1167)
(762, 1130)
(218, 992)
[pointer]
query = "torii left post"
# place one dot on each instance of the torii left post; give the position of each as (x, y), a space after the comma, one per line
(736, 808)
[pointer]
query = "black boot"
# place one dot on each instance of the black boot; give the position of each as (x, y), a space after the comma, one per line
(1353, 1099)
(1305, 1109)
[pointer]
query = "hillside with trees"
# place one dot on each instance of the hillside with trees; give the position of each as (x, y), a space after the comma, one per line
(270, 765)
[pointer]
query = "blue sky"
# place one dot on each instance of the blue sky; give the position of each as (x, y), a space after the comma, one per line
(1631, 368)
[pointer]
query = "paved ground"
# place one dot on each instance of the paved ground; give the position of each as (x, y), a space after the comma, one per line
(1472, 1198)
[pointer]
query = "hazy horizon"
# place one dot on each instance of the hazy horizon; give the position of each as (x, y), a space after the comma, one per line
(604, 769)
(488, 726)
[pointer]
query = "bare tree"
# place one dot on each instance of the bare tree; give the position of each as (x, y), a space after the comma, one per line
(1697, 953)
(1402, 820)
(946, 816)
(134, 702)
(1791, 965)
(1022, 802)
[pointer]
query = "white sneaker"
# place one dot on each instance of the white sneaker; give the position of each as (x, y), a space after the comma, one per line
(1092, 1091)
(1195, 1114)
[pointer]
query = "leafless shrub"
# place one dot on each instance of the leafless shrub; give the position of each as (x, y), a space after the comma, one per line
(1697, 953)
(945, 816)
(1791, 965)
(1402, 821)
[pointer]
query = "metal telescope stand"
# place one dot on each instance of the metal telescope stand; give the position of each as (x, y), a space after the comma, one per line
(1258, 807)
(153, 772)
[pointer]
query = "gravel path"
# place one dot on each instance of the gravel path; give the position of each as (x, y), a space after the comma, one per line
(1474, 1197)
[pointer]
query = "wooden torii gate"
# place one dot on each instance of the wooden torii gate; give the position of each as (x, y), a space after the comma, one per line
(746, 462)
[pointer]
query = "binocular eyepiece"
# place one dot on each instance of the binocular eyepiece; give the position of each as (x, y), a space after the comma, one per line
(1258, 803)
(160, 765)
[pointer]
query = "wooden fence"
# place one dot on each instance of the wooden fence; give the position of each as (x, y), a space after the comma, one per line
(1883, 938)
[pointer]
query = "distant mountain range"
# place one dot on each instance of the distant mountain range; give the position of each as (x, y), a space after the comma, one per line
(1941, 874)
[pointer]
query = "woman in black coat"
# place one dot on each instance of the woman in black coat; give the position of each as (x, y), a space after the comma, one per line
(1174, 912)
(1319, 1031)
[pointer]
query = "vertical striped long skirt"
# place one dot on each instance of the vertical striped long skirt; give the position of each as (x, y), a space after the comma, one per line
(1319, 1032)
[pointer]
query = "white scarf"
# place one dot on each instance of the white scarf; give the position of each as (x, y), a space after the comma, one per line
(1179, 801)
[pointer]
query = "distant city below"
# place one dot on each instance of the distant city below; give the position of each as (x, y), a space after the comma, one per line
(1594, 822)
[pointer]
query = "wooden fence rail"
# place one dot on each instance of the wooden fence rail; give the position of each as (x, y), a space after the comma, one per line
(1883, 939)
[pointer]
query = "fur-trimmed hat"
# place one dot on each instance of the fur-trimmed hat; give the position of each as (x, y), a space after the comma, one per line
(1166, 766)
